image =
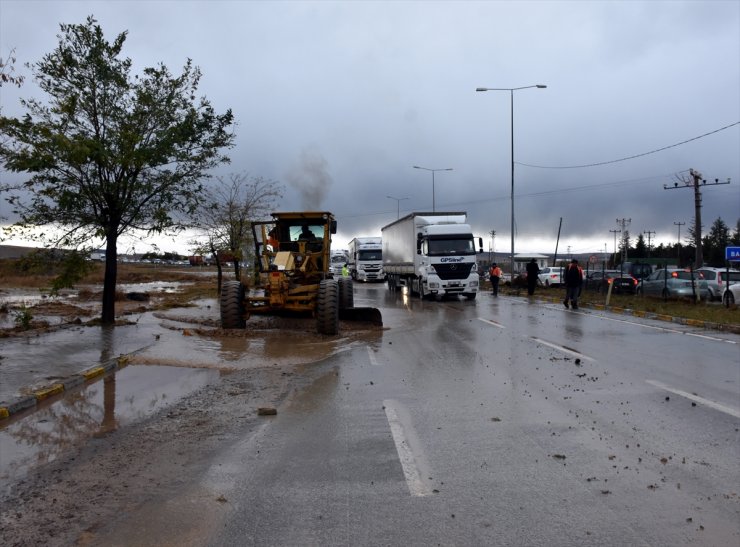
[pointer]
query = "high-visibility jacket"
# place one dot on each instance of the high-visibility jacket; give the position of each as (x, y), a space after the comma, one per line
(496, 272)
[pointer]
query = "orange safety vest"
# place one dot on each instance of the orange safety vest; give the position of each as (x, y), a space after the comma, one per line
(496, 272)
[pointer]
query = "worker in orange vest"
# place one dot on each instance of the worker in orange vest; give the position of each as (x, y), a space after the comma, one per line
(495, 273)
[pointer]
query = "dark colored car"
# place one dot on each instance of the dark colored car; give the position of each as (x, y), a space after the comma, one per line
(638, 270)
(601, 279)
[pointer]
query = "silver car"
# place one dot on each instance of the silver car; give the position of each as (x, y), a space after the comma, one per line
(717, 280)
(674, 282)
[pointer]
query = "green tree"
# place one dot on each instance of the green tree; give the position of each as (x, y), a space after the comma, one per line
(641, 250)
(111, 152)
(715, 242)
(7, 71)
(735, 238)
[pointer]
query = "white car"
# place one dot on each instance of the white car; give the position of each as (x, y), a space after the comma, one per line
(550, 276)
(731, 294)
(717, 280)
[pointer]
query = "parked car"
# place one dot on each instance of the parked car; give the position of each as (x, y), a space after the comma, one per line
(716, 280)
(550, 276)
(674, 282)
(600, 281)
(731, 294)
(638, 270)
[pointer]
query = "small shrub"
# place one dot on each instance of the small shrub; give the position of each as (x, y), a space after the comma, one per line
(23, 318)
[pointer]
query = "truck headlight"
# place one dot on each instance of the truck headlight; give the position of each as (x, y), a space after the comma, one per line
(433, 285)
(473, 284)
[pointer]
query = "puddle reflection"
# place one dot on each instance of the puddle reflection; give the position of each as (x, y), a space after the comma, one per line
(121, 398)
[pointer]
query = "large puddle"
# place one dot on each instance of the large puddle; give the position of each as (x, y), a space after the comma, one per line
(118, 399)
(170, 354)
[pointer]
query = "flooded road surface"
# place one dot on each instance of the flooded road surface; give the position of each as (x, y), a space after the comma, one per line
(120, 398)
(169, 355)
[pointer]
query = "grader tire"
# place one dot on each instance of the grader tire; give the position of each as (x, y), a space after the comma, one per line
(232, 305)
(327, 309)
(346, 293)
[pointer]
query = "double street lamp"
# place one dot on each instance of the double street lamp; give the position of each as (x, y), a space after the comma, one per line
(511, 90)
(398, 204)
(433, 171)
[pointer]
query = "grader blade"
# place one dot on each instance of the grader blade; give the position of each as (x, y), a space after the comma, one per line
(368, 315)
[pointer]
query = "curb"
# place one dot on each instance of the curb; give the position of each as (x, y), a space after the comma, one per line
(9, 408)
(735, 329)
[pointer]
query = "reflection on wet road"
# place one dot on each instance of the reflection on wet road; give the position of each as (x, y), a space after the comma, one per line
(170, 355)
(116, 400)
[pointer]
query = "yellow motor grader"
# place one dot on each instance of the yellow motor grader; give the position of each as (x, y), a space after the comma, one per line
(293, 253)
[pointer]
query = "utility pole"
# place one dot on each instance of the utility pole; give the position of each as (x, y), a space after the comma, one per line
(493, 245)
(696, 177)
(623, 223)
(615, 232)
(649, 234)
(679, 224)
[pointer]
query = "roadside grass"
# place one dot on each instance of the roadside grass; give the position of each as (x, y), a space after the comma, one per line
(712, 312)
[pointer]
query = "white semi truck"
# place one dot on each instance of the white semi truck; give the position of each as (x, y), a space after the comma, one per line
(366, 259)
(433, 254)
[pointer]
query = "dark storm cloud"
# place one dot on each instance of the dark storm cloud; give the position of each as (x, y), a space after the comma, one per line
(340, 99)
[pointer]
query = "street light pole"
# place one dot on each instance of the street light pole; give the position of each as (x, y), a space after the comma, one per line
(398, 205)
(511, 91)
(433, 171)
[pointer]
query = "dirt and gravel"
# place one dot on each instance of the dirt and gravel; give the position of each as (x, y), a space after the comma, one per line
(69, 500)
(66, 501)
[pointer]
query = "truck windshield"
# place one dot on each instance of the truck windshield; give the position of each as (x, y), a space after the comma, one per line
(370, 255)
(447, 246)
(338, 259)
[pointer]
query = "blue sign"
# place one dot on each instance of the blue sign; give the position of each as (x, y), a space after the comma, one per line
(732, 254)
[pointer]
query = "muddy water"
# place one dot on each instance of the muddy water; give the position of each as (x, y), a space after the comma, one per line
(116, 400)
(170, 355)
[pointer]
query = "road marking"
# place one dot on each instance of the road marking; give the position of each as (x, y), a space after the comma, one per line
(371, 356)
(665, 329)
(410, 470)
(564, 349)
(690, 396)
(499, 325)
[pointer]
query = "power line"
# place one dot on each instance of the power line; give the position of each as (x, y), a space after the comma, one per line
(628, 157)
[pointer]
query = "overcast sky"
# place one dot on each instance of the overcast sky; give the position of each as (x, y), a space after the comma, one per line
(354, 94)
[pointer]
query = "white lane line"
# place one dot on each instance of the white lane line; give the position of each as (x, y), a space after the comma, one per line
(499, 325)
(563, 349)
(410, 470)
(371, 356)
(700, 400)
(665, 329)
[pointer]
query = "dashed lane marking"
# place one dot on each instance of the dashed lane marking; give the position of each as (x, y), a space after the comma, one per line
(700, 400)
(371, 356)
(564, 349)
(416, 485)
(499, 325)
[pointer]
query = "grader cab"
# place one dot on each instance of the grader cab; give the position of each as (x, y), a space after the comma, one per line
(293, 253)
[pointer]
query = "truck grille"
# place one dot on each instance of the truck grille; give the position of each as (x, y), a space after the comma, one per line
(453, 271)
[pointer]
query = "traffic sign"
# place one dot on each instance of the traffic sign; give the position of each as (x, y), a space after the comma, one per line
(732, 254)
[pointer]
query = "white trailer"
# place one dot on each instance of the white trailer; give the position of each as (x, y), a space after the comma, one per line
(433, 254)
(366, 259)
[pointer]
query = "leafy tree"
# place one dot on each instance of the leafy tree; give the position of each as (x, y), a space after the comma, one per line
(111, 152)
(7, 71)
(231, 206)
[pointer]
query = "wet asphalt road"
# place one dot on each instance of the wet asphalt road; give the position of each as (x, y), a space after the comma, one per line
(493, 422)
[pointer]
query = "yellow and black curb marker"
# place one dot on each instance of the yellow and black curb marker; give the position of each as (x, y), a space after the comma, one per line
(7, 409)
